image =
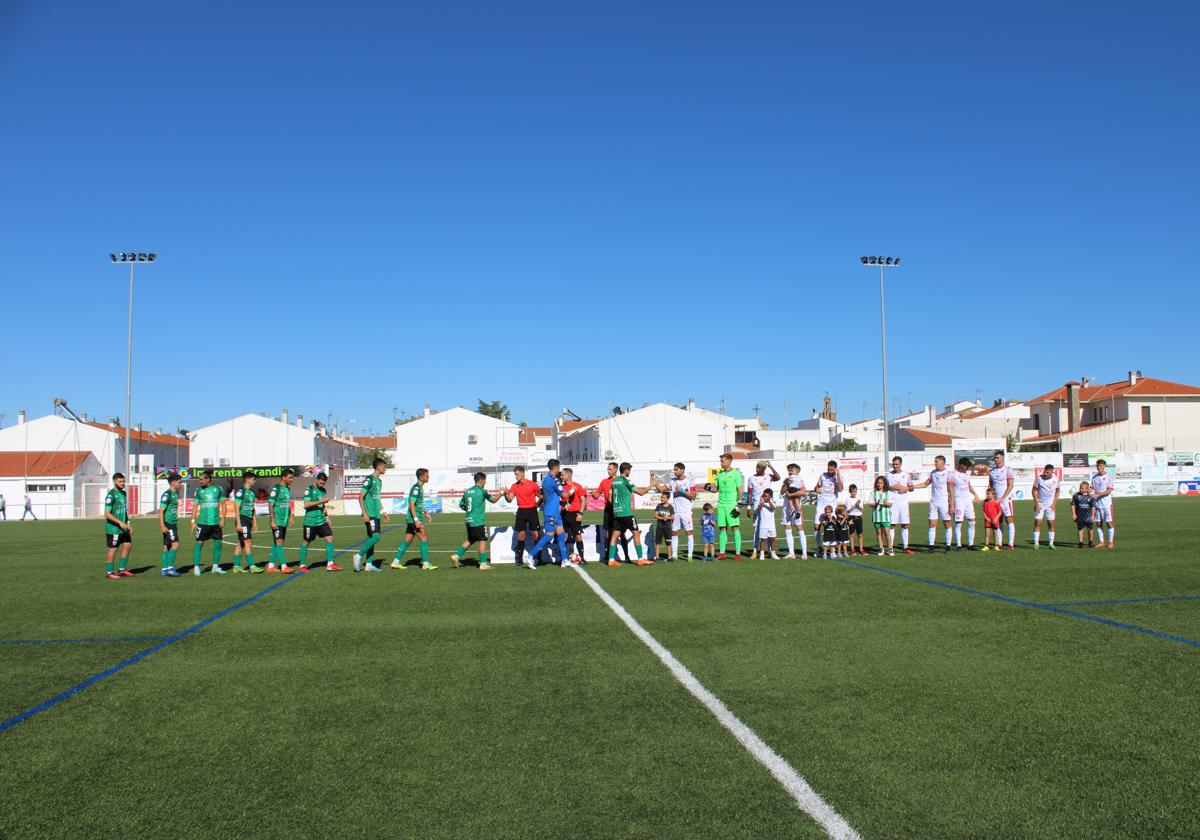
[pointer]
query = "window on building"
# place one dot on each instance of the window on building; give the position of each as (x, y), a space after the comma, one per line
(705, 441)
(741, 436)
(548, 447)
(1145, 415)
(45, 488)
(1037, 423)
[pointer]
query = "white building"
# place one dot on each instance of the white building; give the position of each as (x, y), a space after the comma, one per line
(106, 442)
(458, 438)
(656, 433)
(1134, 414)
(60, 484)
(252, 440)
(1007, 417)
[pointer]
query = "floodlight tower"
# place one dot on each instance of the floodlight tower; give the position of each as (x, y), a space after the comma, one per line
(132, 258)
(883, 262)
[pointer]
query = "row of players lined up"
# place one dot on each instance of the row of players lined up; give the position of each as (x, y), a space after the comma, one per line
(562, 501)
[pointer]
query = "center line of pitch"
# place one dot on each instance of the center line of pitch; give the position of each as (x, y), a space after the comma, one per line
(808, 800)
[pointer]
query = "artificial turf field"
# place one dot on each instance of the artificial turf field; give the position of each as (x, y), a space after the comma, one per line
(457, 704)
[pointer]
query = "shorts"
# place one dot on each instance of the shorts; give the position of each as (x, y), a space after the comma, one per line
(410, 528)
(245, 529)
(279, 532)
(683, 517)
(553, 523)
(1040, 513)
(476, 533)
(621, 524)
(315, 532)
(662, 533)
(114, 540)
(829, 535)
(854, 523)
(204, 533)
(171, 535)
(939, 510)
(372, 525)
(1006, 508)
(708, 537)
(1103, 513)
(900, 514)
(966, 512)
(843, 533)
(1084, 523)
(572, 523)
(527, 520)
(764, 529)
(793, 516)
(988, 525)
(725, 517)
(885, 523)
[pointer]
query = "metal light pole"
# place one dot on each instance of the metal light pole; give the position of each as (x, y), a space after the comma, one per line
(131, 258)
(883, 262)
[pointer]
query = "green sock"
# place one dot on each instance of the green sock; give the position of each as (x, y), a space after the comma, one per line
(424, 553)
(216, 552)
(737, 541)
(108, 566)
(612, 552)
(403, 548)
(638, 548)
(124, 562)
(483, 558)
(197, 550)
(328, 553)
(276, 555)
(304, 554)
(462, 549)
(249, 558)
(369, 544)
(172, 554)
(722, 541)
(166, 558)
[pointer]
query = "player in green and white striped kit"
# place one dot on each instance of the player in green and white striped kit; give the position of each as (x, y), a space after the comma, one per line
(881, 515)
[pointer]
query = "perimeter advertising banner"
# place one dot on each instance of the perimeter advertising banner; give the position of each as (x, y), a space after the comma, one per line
(235, 473)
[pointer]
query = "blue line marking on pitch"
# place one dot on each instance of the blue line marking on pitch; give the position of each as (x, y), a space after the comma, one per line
(1123, 601)
(165, 643)
(97, 640)
(1121, 625)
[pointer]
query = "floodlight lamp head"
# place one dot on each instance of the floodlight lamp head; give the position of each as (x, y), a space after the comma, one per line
(864, 260)
(59, 401)
(888, 260)
(112, 257)
(871, 260)
(896, 261)
(141, 257)
(152, 257)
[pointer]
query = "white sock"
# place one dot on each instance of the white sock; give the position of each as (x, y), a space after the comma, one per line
(932, 536)
(1037, 536)
(674, 545)
(791, 540)
(691, 544)
(803, 544)
(958, 534)
(970, 532)
(947, 535)
(1012, 534)
(1099, 534)
(1052, 538)
(1111, 531)
(904, 536)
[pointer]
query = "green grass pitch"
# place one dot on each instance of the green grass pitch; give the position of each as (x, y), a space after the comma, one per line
(457, 704)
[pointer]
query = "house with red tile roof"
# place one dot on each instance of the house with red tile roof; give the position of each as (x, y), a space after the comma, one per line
(1135, 414)
(58, 483)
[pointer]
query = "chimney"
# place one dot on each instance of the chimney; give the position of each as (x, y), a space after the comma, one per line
(283, 416)
(21, 417)
(299, 421)
(158, 431)
(691, 404)
(1133, 376)
(316, 426)
(1072, 406)
(83, 416)
(427, 411)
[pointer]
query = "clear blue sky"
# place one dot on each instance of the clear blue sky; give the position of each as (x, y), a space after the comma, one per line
(369, 205)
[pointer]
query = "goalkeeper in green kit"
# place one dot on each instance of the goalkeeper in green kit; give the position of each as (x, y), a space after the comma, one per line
(729, 492)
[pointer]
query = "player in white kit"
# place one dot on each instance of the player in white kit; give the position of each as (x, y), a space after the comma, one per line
(1045, 500)
(963, 499)
(682, 496)
(829, 485)
(1102, 488)
(900, 483)
(755, 485)
(792, 495)
(1002, 480)
(938, 483)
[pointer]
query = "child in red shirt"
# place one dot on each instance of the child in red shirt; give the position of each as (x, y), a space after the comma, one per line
(991, 519)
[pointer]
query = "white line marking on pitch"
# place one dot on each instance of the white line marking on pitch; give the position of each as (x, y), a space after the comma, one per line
(809, 801)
